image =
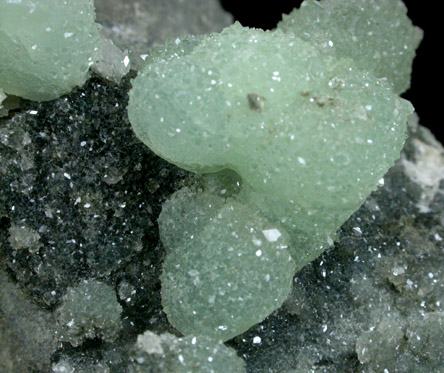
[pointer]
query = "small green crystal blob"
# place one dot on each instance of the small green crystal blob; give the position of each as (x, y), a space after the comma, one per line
(89, 310)
(185, 214)
(46, 46)
(376, 34)
(227, 275)
(197, 354)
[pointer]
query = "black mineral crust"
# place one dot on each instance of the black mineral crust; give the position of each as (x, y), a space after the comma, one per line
(80, 195)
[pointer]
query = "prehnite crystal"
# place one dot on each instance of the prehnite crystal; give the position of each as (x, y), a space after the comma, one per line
(376, 34)
(89, 310)
(309, 135)
(46, 46)
(230, 274)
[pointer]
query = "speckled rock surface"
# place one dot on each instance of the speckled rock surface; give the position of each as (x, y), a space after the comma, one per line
(72, 188)
(81, 194)
(388, 262)
(385, 273)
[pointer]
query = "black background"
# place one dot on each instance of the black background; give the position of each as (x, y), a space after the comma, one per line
(426, 79)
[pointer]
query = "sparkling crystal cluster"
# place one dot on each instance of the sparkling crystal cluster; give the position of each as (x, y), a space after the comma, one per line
(286, 133)
(307, 121)
(47, 47)
(89, 310)
(377, 35)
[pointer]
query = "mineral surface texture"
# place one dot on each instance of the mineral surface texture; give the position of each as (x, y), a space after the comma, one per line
(46, 46)
(89, 310)
(81, 196)
(78, 203)
(377, 35)
(27, 333)
(167, 353)
(2, 97)
(386, 267)
(207, 281)
(309, 133)
(375, 301)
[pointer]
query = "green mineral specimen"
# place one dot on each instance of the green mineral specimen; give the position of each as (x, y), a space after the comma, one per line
(89, 310)
(309, 134)
(326, 132)
(186, 213)
(377, 34)
(237, 261)
(46, 46)
(167, 353)
(425, 337)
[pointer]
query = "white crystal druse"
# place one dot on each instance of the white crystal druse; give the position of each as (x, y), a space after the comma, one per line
(46, 46)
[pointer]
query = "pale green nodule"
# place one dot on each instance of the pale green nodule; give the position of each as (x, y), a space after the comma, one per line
(237, 261)
(310, 135)
(377, 34)
(309, 151)
(46, 46)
